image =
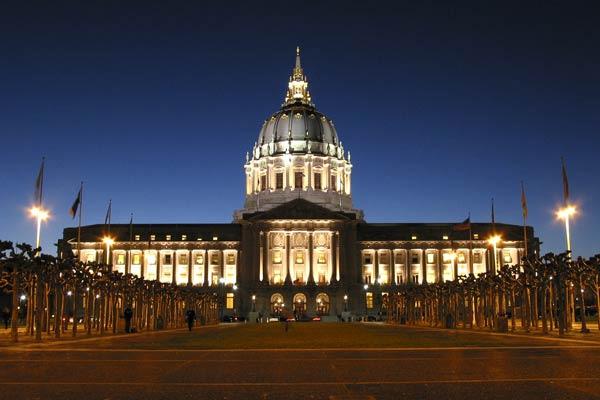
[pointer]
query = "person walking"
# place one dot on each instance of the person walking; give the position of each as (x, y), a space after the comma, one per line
(128, 314)
(190, 317)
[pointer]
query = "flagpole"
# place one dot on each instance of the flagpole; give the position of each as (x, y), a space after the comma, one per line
(79, 226)
(525, 212)
(470, 245)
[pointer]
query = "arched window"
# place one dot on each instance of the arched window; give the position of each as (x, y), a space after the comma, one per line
(277, 303)
(322, 304)
(299, 304)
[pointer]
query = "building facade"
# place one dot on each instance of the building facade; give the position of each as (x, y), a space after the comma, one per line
(299, 246)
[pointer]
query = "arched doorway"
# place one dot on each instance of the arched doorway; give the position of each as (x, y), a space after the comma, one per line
(277, 304)
(322, 304)
(299, 304)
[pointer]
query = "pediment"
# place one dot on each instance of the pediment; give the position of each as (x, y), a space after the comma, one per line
(299, 209)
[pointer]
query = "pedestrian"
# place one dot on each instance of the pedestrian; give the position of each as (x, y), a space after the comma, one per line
(287, 325)
(5, 316)
(128, 314)
(190, 317)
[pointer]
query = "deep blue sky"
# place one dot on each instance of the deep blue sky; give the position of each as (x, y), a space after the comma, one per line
(442, 107)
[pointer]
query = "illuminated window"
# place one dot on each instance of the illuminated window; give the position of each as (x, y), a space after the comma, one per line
(299, 277)
(447, 258)
(298, 180)
(214, 258)
(415, 278)
(384, 258)
(399, 258)
(229, 303)
(322, 279)
(475, 236)
(168, 237)
(215, 279)
(317, 180)
(183, 259)
(277, 257)
(399, 279)
(333, 184)
(199, 259)
(183, 237)
(263, 182)
(368, 278)
(415, 258)
(299, 257)
(462, 258)
(215, 238)
(413, 237)
(120, 259)
(277, 277)
(430, 258)
(321, 258)
(507, 257)
(199, 239)
(445, 237)
(477, 258)
(230, 258)
(152, 237)
(279, 180)
(137, 237)
(369, 299)
(151, 259)
(167, 259)
(367, 259)
(136, 259)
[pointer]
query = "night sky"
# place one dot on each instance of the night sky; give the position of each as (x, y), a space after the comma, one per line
(442, 107)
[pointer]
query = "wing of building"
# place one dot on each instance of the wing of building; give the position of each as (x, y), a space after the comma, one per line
(299, 246)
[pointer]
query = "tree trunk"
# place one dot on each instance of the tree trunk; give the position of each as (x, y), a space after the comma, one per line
(584, 328)
(57, 311)
(14, 323)
(75, 299)
(39, 309)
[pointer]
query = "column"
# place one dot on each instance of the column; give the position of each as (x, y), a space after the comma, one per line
(376, 266)
(311, 278)
(261, 258)
(309, 182)
(424, 266)
(333, 256)
(337, 256)
(190, 267)
(392, 266)
(205, 266)
(221, 264)
(127, 261)
(288, 278)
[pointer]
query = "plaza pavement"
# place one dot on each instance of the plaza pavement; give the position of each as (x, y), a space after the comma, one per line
(176, 365)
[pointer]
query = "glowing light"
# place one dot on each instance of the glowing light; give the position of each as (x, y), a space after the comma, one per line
(107, 240)
(494, 240)
(23, 297)
(253, 297)
(69, 293)
(366, 286)
(345, 297)
(40, 213)
(221, 280)
(566, 212)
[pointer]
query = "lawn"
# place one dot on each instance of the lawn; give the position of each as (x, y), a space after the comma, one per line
(310, 335)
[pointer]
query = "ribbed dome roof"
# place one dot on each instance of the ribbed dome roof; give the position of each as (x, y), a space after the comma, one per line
(298, 127)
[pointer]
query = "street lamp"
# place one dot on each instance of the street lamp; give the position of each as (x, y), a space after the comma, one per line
(253, 303)
(345, 302)
(108, 241)
(565, 213)
(494, 240)
(40, 215)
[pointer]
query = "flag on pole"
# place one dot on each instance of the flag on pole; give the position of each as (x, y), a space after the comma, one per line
(523, 201)
(39, 184)
(565, 181)
(75, 206)
(108, 213)
(463, 226)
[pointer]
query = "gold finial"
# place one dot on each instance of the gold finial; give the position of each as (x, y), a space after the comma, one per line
(298, 86)
(297, 50)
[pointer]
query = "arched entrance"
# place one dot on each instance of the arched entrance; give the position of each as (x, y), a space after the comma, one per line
(299, 304)
(277, 304)
(322, 304)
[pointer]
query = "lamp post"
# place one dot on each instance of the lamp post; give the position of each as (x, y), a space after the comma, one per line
(222, 295)
(40, 215)
(565, 213)
(366, 287)
(345, 302)
(494, 240)
(253, 303)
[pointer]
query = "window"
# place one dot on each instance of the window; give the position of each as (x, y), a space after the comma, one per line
(168, 237)
(367, 259)
(299, 277)
(399, 279)
(151, 259)
(507, 257)
(215, 279)
(416, 278)
(136, 259)
(384, 258)
(415, 258)
(333, 184)
(413, 237)
(322, 279)
(399, 258)
(279, 180)
(461, 258)
(276, 277)
(369, 299)
(263, 182)
(183, 237)
(321, 258)
(120, 259)
(230, 258)
(183, 259)
(475, 236)
(368, 278)
(300, 257)
(277, 257)
(447, 258)
(477, 258)
(167, 259)
(152, 237)
(317, 180)
(430, 258)
(199, 259)
(137, 237)
(229, 303)
(298, 180)
(214, 258)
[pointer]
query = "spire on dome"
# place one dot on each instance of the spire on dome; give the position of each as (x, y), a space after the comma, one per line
(298, 85)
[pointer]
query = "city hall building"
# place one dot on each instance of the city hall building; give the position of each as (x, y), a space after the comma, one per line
(299, 246)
